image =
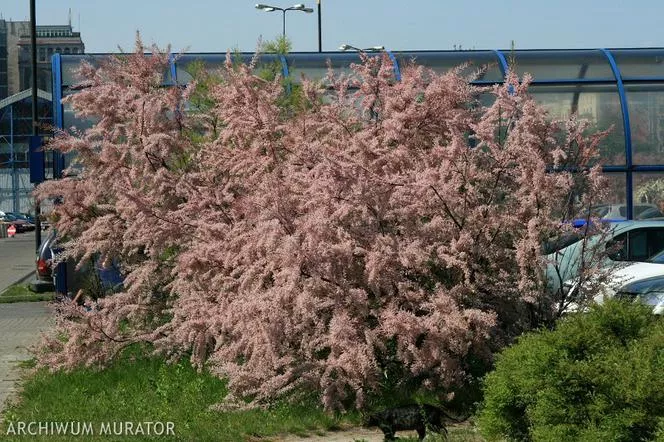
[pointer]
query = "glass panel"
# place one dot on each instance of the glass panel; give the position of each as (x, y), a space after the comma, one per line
(211, 62)
(69, 119)
(561, 65)
(70, 64)
(186, 63)
(646, 117)
(648, 195)
(315, 67)
(600, 104)
(640, 63)
(614, 203)
(442, 62)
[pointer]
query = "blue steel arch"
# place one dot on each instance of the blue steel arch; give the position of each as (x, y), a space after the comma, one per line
(284, 65)
(502, 62)
(284, 72)
(395, 65)
(628, 132)
(173, 69)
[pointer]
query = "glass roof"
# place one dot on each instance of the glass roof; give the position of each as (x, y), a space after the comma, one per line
(486, 62)
(640, 63)
(302, 64)
(184, 64)
(556, 65)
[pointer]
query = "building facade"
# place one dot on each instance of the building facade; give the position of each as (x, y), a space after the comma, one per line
(15, 55)
(16, 101)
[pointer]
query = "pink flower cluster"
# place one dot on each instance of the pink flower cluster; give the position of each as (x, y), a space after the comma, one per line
(286, 249)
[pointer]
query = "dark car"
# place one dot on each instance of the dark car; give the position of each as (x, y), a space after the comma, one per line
(44, 275)
(29, 223)
(65, 279)
(20, 224)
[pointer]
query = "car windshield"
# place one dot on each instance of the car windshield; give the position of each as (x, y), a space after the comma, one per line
(9, 217)
(658, 259)
(559, 243)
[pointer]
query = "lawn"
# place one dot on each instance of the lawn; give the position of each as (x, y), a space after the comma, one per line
(141, 389)
(21, 293)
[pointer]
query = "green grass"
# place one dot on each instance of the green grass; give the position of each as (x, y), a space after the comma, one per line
(22, 293)
(139, 389)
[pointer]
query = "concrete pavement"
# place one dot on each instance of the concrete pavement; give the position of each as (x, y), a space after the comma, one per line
(17, 258)
(20, 323)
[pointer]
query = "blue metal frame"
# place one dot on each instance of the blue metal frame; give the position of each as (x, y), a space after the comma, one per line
(502, 62)
(173, 69)
(628, 133)
(284, 66)
(395, 65)
(58, 111)
(56, 67)
(285, 73)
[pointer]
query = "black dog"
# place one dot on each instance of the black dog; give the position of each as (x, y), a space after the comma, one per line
(410, 417)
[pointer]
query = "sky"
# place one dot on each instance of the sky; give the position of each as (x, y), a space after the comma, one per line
(220, 25)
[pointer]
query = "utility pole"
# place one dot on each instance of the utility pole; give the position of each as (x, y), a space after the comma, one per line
(320, 39)
(35, 119)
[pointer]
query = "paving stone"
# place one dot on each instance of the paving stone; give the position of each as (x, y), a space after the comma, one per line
(21, 325)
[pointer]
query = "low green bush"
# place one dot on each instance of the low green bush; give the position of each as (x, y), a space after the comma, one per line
(597, 376)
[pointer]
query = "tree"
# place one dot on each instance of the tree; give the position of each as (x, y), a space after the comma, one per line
(323, 249)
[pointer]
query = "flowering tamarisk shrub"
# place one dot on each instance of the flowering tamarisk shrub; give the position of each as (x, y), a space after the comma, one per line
(383, 223)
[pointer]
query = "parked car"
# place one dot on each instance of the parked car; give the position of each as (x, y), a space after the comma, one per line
(624, 241)
(20, 224)
(640, 282)
(29, 220)
(64, 278)
(43, 281)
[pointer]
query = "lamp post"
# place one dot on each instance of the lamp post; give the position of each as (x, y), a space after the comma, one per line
(347, 47)
(35, 118)
(299, 7)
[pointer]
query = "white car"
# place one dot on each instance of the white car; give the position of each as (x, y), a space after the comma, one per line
(623, 242)
(642, 281)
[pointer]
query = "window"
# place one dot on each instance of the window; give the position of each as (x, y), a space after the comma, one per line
(42, 54)
(636, 245)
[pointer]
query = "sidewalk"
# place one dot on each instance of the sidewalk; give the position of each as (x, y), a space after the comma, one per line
(20, 323)
(17, 258)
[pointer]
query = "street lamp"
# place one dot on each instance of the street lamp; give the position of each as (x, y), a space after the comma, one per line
(299, 7)
(347, 47)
